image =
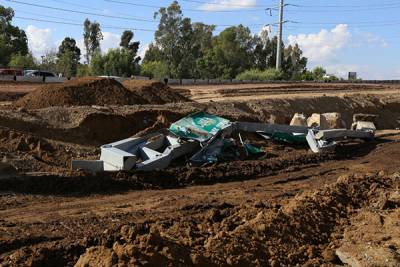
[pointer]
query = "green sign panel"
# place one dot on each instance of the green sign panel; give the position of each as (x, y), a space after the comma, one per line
(200, 126)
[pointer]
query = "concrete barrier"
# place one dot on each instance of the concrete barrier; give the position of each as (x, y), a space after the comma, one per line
(188, 81)
(29, 79)
(55, 79)
(7, 77)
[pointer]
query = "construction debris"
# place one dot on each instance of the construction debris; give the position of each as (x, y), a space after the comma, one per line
(364, 126)
(298, 119)
(207, 138)
(317, 121)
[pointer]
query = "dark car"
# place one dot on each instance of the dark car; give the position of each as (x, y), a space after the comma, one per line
(39, 73)
(11, 72)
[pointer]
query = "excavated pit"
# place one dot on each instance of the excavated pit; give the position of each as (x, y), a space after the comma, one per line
(290, 207)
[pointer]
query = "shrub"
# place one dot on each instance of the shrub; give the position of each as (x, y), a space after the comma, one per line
(260, 75)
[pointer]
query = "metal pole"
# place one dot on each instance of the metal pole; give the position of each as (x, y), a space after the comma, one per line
(279, 48)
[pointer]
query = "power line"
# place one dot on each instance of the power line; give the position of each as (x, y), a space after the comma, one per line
(302, 9)
(221, 4)
(81, 24)
(78, 23)
(80, 12)
(186, 9)
(349, 6)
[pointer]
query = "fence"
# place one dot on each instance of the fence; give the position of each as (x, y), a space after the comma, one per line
(187, 81)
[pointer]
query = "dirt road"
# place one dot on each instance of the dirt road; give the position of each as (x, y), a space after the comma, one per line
(244, 92)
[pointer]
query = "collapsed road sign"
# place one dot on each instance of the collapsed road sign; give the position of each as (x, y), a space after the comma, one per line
(199, 126)
(203, 136)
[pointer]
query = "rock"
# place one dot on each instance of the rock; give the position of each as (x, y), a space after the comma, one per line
(329, 255)
(383, 202)
(127, 232)
(97, 256)
(317, 121)
(363, 126)
(298, 120)
(334, 120)
(21, 109)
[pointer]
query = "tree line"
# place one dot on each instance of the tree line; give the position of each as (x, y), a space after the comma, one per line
(181, 49)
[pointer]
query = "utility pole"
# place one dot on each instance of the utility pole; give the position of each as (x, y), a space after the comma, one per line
(279, 48)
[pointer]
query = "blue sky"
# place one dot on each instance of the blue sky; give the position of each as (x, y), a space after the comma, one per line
(341, 35)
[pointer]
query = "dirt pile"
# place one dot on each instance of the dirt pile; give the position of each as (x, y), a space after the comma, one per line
(81, 92)
(154, 92)
(305, 231)
(31, 153)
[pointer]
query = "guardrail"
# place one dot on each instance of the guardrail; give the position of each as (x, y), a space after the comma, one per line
(189, 81)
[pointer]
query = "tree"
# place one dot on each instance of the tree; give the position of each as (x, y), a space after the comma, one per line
(154, 69)
(23, 61)
(231, 53)
(319, 73)
(91, 37)
(66, 64)
(168, 34)
(179, 43)
(116, 62)
(68, 48)
(49, 61)
(12, 39)
(126, 42)
(294, 63)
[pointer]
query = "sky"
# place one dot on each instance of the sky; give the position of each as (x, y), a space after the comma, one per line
(340, 35)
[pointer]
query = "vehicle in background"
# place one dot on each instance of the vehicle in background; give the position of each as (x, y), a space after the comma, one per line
(11, 72)
(39, 73)
(26, 72)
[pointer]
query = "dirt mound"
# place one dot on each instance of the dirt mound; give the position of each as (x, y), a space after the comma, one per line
(305, 231)
(81, 92)
(155, 92)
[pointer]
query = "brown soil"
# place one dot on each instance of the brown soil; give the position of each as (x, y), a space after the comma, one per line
(155, 92)
(80, 92)
(289, 207)
(243, 92)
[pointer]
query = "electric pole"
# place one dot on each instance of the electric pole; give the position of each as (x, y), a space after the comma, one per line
(279, 48)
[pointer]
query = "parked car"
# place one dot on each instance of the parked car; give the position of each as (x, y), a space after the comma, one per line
(11, 72)
(40, 73)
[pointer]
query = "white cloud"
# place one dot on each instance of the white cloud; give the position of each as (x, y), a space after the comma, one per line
(142, 50)
(40, 40)
(218, 5)
(322, 46)
(110, 40)
(375, 39)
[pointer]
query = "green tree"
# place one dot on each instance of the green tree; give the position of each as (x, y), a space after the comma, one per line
(91, 37)
(23, 61)
(319, 73)
(116, 62)
(126, 42)
(66, 64)
(69, 48)
(13, 40)
(294, 63)
(154, 69)
(83, 70)
(153, 53)
(168, 34)
(231, 53)
(49, 61)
